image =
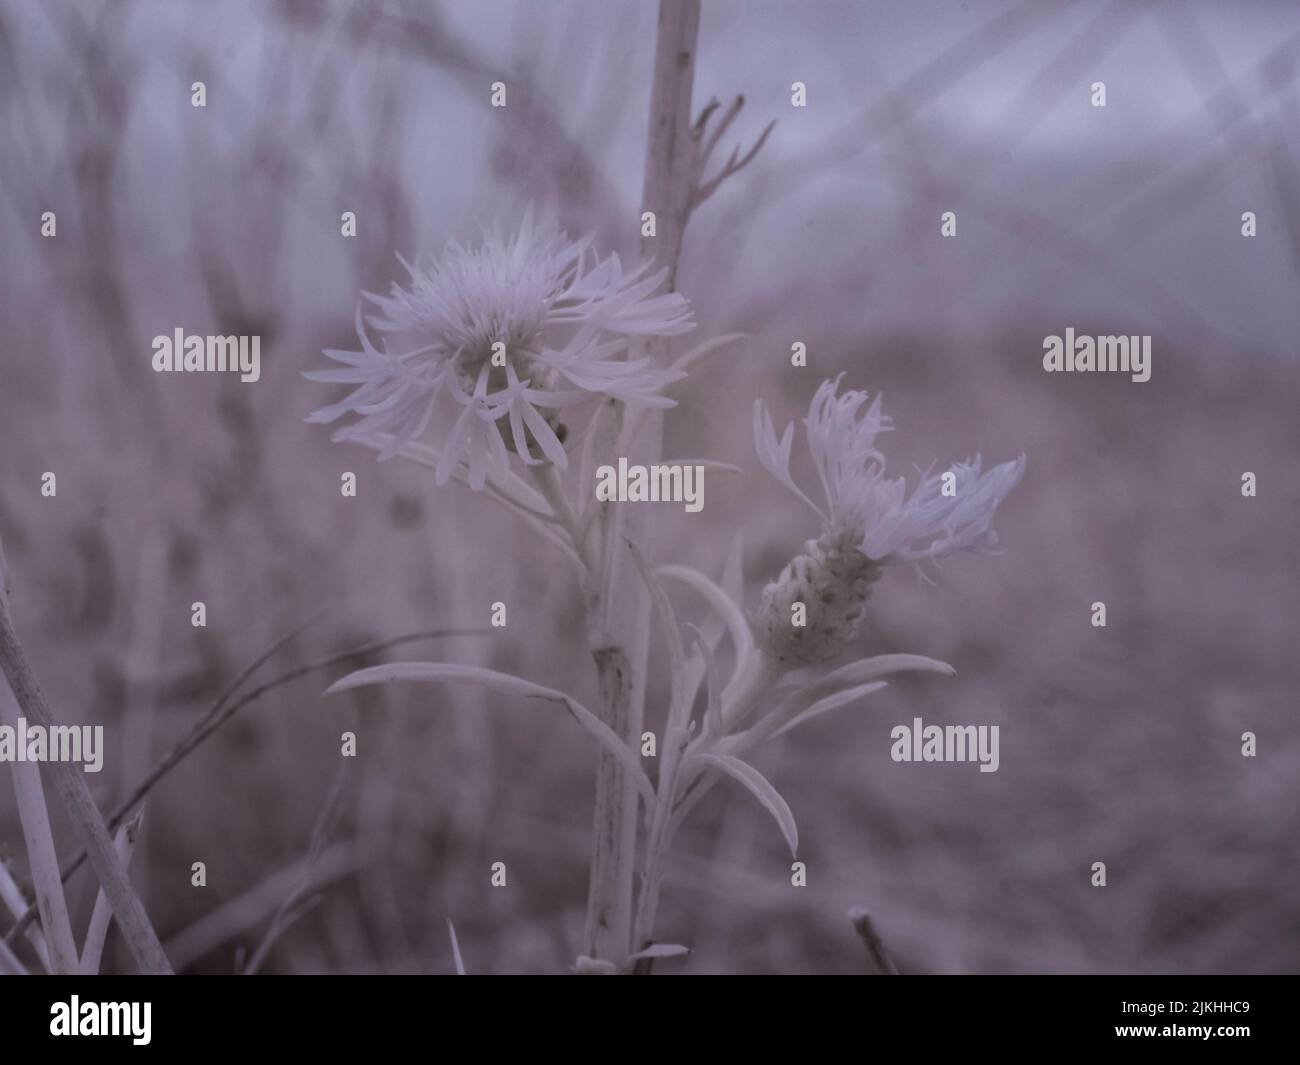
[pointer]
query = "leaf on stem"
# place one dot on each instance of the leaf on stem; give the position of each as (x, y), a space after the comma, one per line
(713, 708)
(761, 788)
(449, 673)
(738, 628)
(660, 950)
(512, 492)
(869, 669)
(707, 465)
(687, 362)
(831, 702)
(663, 610)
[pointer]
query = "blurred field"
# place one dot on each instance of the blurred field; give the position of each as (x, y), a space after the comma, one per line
(1120, 744)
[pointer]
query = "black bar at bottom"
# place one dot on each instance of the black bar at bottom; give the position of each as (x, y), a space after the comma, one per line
(338, 1014)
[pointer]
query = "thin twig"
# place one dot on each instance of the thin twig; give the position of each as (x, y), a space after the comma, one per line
(733, 166)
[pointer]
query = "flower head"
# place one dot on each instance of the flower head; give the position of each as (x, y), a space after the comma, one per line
(875, 512)
(811, 612)
(493, 340)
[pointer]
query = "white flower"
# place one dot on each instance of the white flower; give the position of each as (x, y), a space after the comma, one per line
(563, 318)
(872, 511)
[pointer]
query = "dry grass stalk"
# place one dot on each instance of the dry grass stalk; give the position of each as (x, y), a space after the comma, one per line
(624, 636)
(92, 950)
(81, 808)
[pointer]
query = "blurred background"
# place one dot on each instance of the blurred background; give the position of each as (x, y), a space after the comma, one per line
(1120, 744)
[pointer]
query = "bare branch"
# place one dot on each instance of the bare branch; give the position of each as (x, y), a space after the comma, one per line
(734, 166)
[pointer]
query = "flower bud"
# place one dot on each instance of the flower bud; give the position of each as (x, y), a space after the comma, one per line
(832, 579)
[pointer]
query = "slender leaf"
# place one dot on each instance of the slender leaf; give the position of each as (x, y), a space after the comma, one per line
(831, 702)
(761, 788)
(713, 707)
(450, 673)
(513, 493)
(660, 950)
(727, 609)
(667, 619)
(869, 669)
(687, 362)
(708, 465)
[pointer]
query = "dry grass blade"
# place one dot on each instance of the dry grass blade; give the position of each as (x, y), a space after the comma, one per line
(12, 896)
(211, 721)
(41, 855)
(297, 903)
(246, 911)
(450, 672)
(92, 951)
(80, 804)
(9, 963)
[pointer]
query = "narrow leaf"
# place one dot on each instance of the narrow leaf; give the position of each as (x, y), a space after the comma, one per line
(660, 950)
(687, 362)
(831, 702)
(713, 708)
(761, 788)
(727, 609)
(672, 634)
(868, 669)
(518, 497)
(450, 673)
(708, 465)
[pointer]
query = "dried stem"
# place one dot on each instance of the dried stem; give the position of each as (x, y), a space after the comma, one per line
(619, 609)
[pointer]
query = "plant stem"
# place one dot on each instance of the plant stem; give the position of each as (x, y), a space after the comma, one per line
(619, 625)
